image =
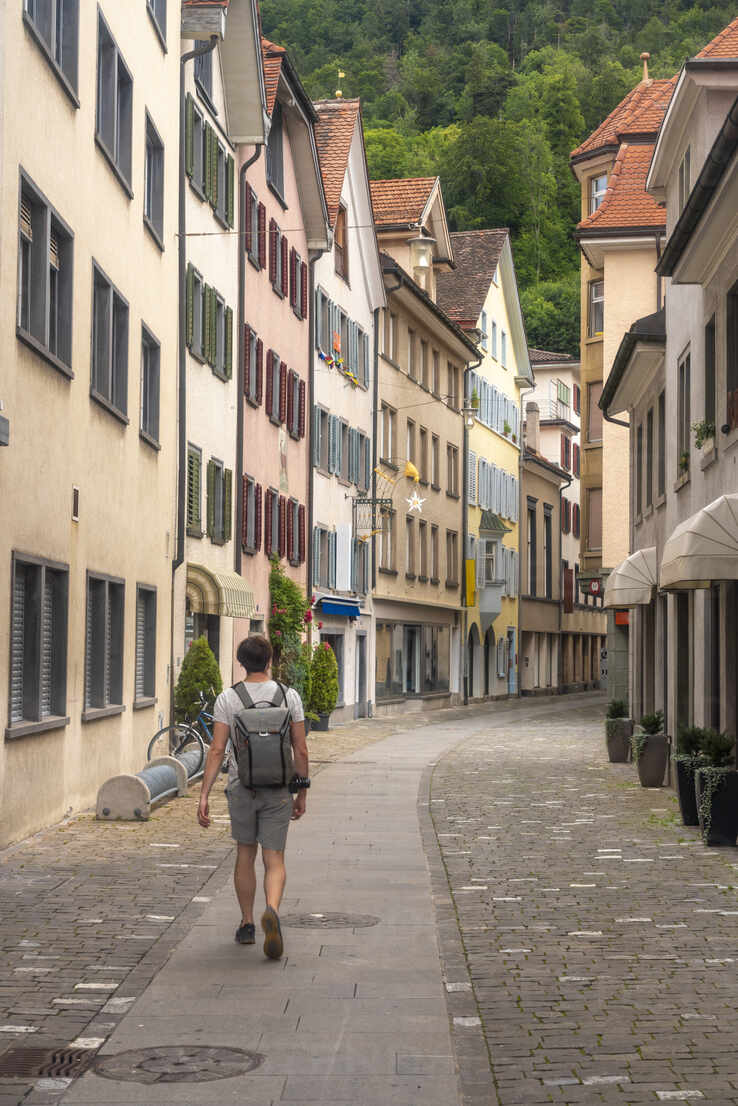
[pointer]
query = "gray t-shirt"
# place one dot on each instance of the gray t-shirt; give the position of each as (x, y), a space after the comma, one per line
(228, 703)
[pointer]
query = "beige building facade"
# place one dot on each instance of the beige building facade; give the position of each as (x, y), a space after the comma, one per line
(89, 391)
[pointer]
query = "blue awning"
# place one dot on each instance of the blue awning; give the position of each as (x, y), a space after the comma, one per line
(348, 608)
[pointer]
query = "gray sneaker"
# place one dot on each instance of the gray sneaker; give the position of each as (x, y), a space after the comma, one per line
(246, 934)
(273, 946)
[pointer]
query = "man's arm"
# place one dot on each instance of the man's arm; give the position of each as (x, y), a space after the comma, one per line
(302, 767)
(216, 752)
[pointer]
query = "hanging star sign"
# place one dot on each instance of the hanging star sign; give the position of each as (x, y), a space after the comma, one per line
(415, 503)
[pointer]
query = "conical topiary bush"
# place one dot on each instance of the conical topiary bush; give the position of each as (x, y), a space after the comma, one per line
(324, 679)
(199, 672)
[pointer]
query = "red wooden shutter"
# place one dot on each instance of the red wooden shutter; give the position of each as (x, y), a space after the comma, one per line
(259, 371)
(282, 392)
(563, 515)
(285, 271)
(247, 207)
(244, 512)
(293, 278)
(291, 400)
(261, 217)
(290, 531)
(247, 360)
(282, 526)
(258, 516)
(268, 511)
(301, 411)
(304, 291)
(273, 247)
(301, 532)
(563, 455)
(577, 399)
(269, 382)
(577, 460)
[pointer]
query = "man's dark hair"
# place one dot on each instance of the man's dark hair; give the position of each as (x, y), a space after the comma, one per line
(254, 653)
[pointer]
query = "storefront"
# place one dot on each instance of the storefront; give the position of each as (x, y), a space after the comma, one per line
(417, 655)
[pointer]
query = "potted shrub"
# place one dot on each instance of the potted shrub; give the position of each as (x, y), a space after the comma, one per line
(684, 462)
(199, 673)
(506, 429)
(704, 435)
(687, 759)
(650, 747)
(474, 401)
(716, 788)
(618, 731)
(324, 692)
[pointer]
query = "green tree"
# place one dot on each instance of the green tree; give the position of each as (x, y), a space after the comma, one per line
(199, 673)
(551, 314)
(287, 621)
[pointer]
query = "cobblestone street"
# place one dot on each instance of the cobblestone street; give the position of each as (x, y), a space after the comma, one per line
(600, 935)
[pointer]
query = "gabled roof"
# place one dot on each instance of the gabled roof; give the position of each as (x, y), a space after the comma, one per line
(334, 133)
(640, 112)
(626, 203)
(724, 45)
(401, 201)
(462, 293)
(547, 357)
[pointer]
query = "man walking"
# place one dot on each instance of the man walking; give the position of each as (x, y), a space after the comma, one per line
(259, 815)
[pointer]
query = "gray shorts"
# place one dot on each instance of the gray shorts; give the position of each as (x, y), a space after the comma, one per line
(261, 815)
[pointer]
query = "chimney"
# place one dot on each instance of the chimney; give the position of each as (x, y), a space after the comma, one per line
(645, 58)
(532, 417)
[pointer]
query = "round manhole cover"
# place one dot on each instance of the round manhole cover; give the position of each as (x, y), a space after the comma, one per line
(177, 1064)
(329, 921)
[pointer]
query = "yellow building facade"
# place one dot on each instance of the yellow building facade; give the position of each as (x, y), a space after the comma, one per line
(481, 296)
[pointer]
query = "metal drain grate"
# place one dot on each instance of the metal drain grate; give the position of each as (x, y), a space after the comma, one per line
(329, 921)
(177, 1064)
(32, 1063)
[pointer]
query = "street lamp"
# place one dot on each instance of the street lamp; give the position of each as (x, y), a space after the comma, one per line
(421, 258)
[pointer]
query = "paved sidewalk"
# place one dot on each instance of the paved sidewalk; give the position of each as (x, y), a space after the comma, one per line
(600, 934)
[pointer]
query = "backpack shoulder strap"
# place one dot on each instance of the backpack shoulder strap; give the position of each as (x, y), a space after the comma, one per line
(280, 687)
(243, 694)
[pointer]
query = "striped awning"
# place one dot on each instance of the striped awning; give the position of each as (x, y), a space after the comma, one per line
(703, 548)
(211, 591)
(633, 583)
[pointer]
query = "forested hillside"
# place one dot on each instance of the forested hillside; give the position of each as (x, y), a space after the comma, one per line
(493, 96)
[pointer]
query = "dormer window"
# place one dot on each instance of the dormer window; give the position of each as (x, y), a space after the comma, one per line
(685, 178)
(341, 243)
(597, 190)
(275, 157)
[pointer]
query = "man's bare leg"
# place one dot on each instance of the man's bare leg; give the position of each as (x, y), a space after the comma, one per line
(244, 880)
(275, 876)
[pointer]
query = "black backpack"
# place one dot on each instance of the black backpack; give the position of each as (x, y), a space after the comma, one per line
(261, 739)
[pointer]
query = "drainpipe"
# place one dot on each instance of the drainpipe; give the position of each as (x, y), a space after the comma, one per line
(237, 547)
(563, 487)
(375, 417)
(521, 470)
(309, 424)
(617, 422)
(464, 525)
(178, 559)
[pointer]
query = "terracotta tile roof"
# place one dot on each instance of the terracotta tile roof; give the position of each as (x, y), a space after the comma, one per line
(334, 132)
(272, 57)
(626, 203)
(462, 293)
(400, 201)
(546, 357)
(641, 112)
(724, 45)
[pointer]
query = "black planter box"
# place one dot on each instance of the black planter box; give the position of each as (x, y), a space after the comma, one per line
(685, 785)
(653, 759)
(724, 812)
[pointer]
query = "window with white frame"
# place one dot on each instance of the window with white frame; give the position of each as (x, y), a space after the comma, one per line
(388, 418)
(597, 190)
(493, 342)
(596, 315)
(483, 330)
(386, 542)
(503, 349)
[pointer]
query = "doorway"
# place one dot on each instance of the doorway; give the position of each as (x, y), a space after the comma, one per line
(361, 698)
(412, 660)
(489, 662)
(512, 661)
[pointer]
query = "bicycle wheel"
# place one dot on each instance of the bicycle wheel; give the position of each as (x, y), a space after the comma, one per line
(168, 740)
(191, 740)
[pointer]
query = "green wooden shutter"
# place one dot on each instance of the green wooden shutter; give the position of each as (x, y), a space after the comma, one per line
(189, 135)
(213, 327)
(207, 169)
(211, 499)
(193, 490)
(230, 182)
(316, 436)
(206, 322)
(190, 304)
(214, 168)
(229, 342)
(227, 503)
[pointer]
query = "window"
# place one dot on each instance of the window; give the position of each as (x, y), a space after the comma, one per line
(453, 386)
(274, 154)
(253, 367)
(547, 550)
(710, 371)
(365, 463)
(145, 678)
(114, 104)
(435, 462)
(483, 330)
(295, 405)
(55, 26)
(683, 408)
(423, 549)
(452, 558)
(423, 455)
(204, 75)
(412, 369)
(577, 399)
(597, 190)
(251, 226)
(104, 648)
(295, 532)
(388, 433)
(45, 291)
(220, 335)
(343, 452)
(424, 365)
(649, 458)
(685, 178)
(661, 481)
(565, 452)
(109, 344)
(150, 370)
(390, 336)
(251, 520)
(452, 469)
(436, 373)
(219, 494)
(410, 546)
(154, 182)
(278, 274)
(576, 460)
(596, 316)
(493, 344)
(196, 152)
(340, 243)
(503, 349)
(472, 496)
(386, 542)
(576, 528)
(298, 284)
(594, 519)
(638, 475)
(38, 641)
(532, 556)
(274, 386)
(731, 325)
(434, 568)
(594, 412)
(410, 441)
(158, 12)
(194, 495)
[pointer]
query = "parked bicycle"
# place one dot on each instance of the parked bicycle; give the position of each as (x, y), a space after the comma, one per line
(171, 740)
